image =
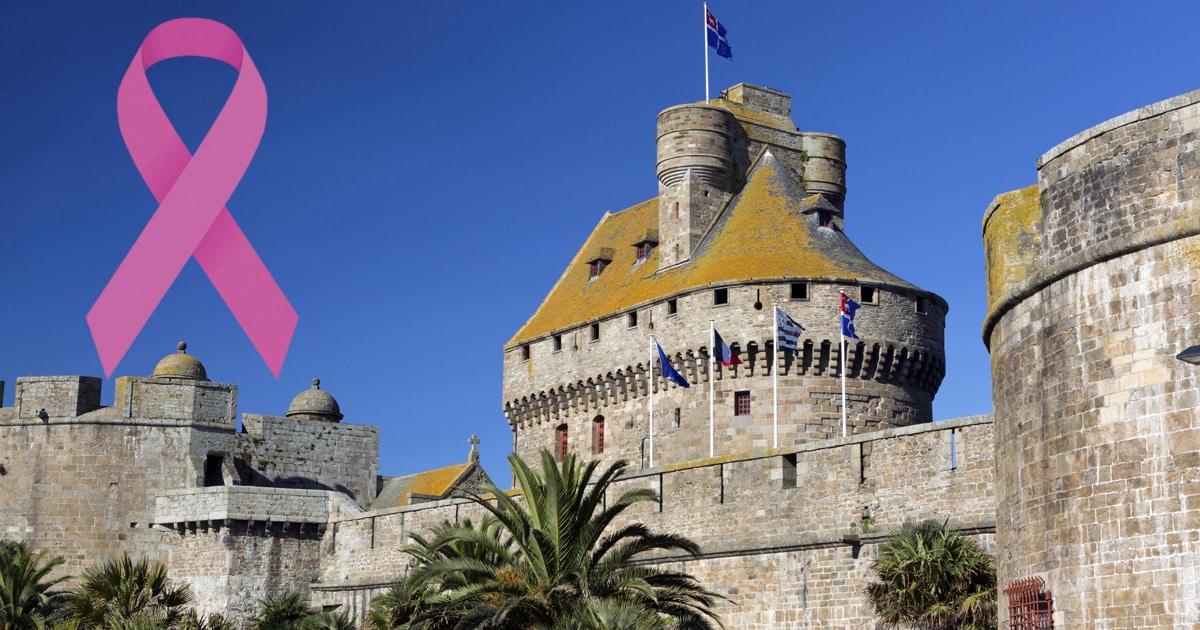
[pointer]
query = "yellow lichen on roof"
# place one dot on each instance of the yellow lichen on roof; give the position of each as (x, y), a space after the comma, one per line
(435, 483)
(762, 235)
(1011, 241)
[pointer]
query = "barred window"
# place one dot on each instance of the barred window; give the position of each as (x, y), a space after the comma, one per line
(741, 403)
(560, 438)
(1030, 606)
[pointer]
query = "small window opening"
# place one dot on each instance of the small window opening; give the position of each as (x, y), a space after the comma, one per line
(799, 290)
(643, 250)
(706, 193)
(632, 320)
(558, 343)
(678, 213)
(678, 421)
(212, 471)
(560, 442)
(922, 306)
(953, 449)
(826, 218)
(596, 331)
(789, 471)
(598, 435)
(525, 351)
(720, 296)
(595, 267)
(672, 306)
(868, 295)
(741, 403)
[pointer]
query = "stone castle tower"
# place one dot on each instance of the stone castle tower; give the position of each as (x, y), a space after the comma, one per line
(749, 214)
(1092, 278)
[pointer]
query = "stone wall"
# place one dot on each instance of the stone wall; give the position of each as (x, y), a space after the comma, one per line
(310, 454)
(785, 536)
(894, 371)
(84, 488)
(1097, 442)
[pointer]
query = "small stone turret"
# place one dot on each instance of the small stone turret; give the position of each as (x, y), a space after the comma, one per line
(180, 366)
(314, 404)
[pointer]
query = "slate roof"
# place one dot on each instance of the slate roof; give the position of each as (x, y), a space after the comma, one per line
(429, 485)
(767, 232)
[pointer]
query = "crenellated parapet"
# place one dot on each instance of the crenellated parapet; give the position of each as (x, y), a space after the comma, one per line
(866, 361)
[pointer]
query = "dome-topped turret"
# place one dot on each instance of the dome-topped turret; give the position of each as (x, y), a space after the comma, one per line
(181, 366)
(314, 404)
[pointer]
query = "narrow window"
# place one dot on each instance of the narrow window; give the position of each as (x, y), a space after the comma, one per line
(560, 442)
(922, 306)
(868, 295)
(558, 343)
(525, 352)
(212, 471)
(594, 269)
(799, 290)
(826, 218)
(678, 419)
(953, 450)
(672, 306)
(741, 403)
(678, 214)
(596, 331)
(720, 296)
(706, 193)
(632, 320)
(598, 435)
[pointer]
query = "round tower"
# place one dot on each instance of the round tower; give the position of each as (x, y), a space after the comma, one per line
(1091, 291)
(698, 138)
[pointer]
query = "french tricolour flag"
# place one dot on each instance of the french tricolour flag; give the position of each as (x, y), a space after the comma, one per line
(722, 352)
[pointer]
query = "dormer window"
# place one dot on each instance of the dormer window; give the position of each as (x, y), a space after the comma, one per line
(599, 260)
(643, 250)
(826, 218)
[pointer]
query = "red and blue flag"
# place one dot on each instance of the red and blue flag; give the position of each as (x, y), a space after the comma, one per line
(722, 352)
(716, 36)
(849, 308)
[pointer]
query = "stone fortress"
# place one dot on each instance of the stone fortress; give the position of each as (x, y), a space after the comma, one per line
(1084, 485)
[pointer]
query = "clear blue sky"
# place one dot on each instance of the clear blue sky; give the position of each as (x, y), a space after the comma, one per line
(428, 169)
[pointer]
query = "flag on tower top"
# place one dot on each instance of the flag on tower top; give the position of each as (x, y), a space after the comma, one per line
(722, 353)
(849, 308)
(716, 36)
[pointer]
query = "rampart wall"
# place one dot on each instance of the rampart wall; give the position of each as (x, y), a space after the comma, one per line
(788, 536)
(894, 371)
(1097, 441)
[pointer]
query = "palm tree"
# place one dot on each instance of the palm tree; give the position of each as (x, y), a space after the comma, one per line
(126, 594)
(26, 599)
(281, 613)
(932, 578)
(550, 561)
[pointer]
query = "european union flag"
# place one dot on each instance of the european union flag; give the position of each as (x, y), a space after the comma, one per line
(668, 371)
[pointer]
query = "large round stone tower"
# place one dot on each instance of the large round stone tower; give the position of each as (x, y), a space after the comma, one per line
(749, 215)
(1092, 278)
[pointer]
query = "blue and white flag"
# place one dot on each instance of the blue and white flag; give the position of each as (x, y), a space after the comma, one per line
(789, 331)
(716, 36)
(849, 308)
(668, 371)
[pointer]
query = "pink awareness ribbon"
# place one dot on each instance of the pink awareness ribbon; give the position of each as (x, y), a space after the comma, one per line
(192, 191)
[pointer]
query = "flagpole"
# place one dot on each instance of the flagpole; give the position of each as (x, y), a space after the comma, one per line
(650, 391)
(775, 371)
(705, 52)
(842, 355)
(712, 383)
